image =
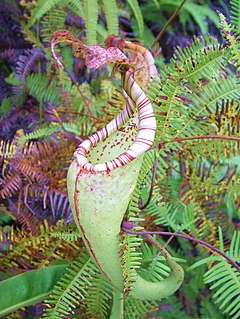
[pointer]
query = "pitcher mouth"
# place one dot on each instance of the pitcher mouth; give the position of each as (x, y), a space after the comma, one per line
(114, 151)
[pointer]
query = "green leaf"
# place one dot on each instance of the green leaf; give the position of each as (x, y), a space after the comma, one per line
(235, 13)
(111, 13)
(200, 13)
(28, 288)
(41, 8)
(138, 14)
(91, 17)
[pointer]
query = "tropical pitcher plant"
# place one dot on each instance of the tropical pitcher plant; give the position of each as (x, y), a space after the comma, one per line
(105, 167)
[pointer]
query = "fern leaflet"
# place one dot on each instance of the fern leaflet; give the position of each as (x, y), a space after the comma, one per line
(73, 236)
(111, 13)
(41, 8)
(130, 258)
(235, 13)
(71, 288)
(224, 279)
(99, 294)
(91, 17)
(138, 14)
(136, 309)
(232, 39)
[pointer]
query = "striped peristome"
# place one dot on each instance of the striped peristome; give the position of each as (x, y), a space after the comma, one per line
(145, 134)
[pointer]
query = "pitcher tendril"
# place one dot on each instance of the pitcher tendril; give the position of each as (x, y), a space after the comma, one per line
(104, 171)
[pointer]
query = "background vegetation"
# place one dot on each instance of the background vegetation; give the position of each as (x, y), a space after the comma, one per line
(46, 112)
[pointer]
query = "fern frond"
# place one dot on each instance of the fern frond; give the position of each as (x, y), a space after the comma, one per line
(136, 309)
(41, 8)
(7, 149)
(199, 13)
(11, 184)
(25, 218)
(73, 236)
(181, 87)
(226, 117)
(53, 20)
(176, 124)
(234, 250)
(130, 258)
(143, 178)
(54, 202)
(216, 91)
(174, 309)
(31, 36)
(170, 121)
(46, 161)
(77, 6)
(204, 58)
(177, 216)
(111, 13)
(205, 223)
(39, 87)
(209, 309)
(98, 298)
(224, 279)
(72, 288)
(154, 267)
(25, 65)
(82, 127)
(165, 214)
(102, 32)
(225, 150)
(36, 246)
(235, 13)
(91, 17)
(36, 162)
(28, 170)
(40, 133)
(232, 38)
(6, 105)
(134, 5)
(207, 188)
(218, 179)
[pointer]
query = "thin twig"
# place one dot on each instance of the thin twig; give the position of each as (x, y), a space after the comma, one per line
(173, 16)
(83, 114)
(126, 227)
(198, 137)
(152, 186)
(231, 138)
(80, 92)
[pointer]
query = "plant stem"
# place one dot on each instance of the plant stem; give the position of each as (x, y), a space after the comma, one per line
(126, 227)
(117, 308)
(95, 118)
(81, 94)
(198, 137)
(173, 16)
(152, 185)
